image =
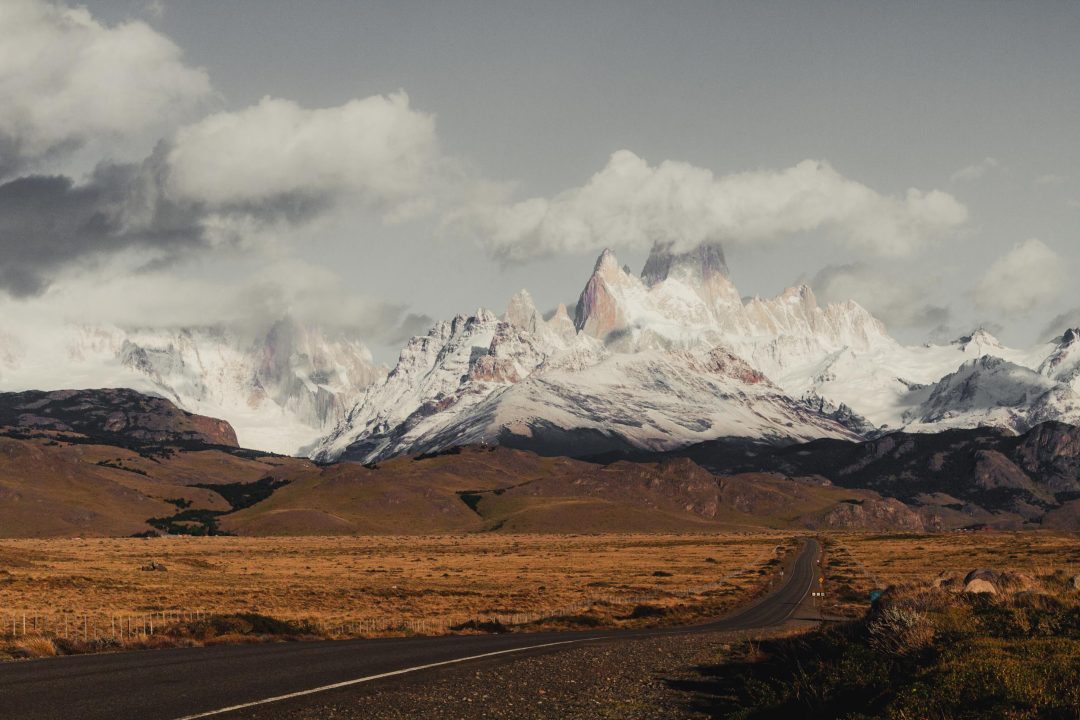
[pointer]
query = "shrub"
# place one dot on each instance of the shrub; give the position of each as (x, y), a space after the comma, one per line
(34, 646)
(647, 611)
(241, 624)
(899, 631)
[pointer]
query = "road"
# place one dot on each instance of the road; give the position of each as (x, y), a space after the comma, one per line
(211, 681)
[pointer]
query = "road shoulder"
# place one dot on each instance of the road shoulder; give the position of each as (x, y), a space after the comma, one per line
(640, 678)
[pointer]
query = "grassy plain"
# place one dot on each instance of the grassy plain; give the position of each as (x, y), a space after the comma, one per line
(380, 582)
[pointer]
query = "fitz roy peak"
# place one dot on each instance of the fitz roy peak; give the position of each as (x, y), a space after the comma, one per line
(647, 362)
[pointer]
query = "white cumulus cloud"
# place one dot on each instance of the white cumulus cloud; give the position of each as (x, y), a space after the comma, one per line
(632, 204)
(974, 172)
(897, 304)
(377, 151)
(67, 81)
(1029, 275)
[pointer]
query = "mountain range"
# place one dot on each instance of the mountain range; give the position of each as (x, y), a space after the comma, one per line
(654, 361)
(117, 462)
(675, 356)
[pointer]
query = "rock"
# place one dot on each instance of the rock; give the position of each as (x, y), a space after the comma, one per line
(875, 514)
(154, 566)
(1074, 583)
(521, 312)
(598, 310)
(982, 574)
(980, 587)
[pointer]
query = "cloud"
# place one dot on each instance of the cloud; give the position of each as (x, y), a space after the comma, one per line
(155, 9)
(974, 172)
(897, 304)
(411, 325)
(67, 81)
(632, 204)
(1051, 179)
(48, 223)
(1029, 275)
(1062, 322)
(256, 293)
(376, 151)
(230, 180)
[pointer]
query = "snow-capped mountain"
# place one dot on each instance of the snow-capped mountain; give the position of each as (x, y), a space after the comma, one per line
(990, 391)
(647, 363)
(676, 356)
(281, 387)
(671, 357)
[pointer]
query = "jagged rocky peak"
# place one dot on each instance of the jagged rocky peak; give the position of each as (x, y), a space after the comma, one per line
(598, 311)
(1069, 338)
(800, 295)
(697, 266)
(521, 312)
(980, 340)
(702, 269)
(561, 324)
(1063, 362)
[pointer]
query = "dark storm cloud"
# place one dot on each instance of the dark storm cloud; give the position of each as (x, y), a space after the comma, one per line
(49, 223)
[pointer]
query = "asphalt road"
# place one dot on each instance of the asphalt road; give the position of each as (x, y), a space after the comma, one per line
(203, 682)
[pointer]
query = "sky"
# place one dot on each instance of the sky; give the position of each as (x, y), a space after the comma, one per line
(377, 166)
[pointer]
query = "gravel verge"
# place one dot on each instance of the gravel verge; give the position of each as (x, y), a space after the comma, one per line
(603, 680)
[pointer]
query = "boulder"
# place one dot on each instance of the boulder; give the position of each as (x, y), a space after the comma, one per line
(982, 574)
(1075, 582)
(153, 566)
(979, 586)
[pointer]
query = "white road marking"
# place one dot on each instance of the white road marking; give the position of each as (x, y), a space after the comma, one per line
(369, 678)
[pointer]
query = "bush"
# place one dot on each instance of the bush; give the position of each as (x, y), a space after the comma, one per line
(481, 626)
(33, 646)
(899, 631)
(241, 624)
(647, 611)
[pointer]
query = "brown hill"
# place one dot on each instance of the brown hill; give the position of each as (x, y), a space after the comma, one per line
(116, 416)
(114, 462)
(488, 489)
(966, 478)
(53, 488)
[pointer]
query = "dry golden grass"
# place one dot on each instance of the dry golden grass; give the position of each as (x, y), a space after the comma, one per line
(855, 563)
(35, 646)
(370, 580)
